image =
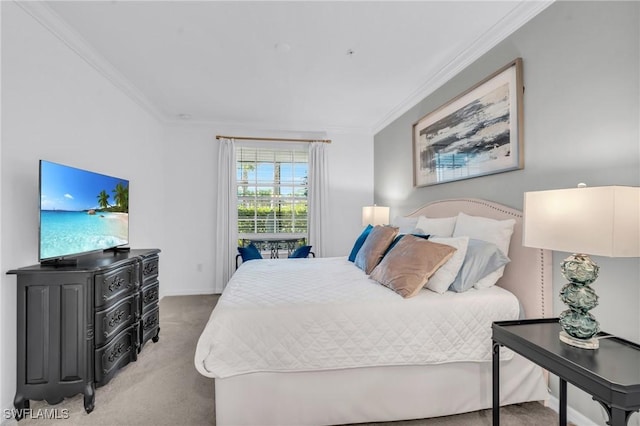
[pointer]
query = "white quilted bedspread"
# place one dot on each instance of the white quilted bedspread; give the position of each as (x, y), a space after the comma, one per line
(318, 314)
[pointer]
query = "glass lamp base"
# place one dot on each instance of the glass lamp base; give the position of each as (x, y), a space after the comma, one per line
(591, 343)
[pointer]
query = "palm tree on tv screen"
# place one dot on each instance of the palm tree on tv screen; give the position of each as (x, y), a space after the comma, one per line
(121, 197)
(103, 199)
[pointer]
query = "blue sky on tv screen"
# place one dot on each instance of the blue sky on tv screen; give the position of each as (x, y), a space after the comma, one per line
(67, 188)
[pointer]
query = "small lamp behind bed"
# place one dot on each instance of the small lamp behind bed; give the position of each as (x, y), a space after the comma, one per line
(603, 221)
(375, 215)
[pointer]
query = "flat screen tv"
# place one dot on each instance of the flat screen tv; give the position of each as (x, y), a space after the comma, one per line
(80, 212)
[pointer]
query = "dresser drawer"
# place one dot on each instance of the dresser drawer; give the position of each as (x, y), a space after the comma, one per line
(150, 268)
(150, 295)
(115, 319)
(116, 354)
(149, 325)
(114, 285)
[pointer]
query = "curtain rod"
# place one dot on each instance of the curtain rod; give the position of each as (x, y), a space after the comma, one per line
(246, 138)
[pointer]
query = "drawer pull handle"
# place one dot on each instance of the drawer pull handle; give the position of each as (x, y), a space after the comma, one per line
(150, 296)
(117, 352)
(150, 268)
(150, 323)
(116, 284)
(116, 318)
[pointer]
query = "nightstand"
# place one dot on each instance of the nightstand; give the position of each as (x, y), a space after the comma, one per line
(611, 374)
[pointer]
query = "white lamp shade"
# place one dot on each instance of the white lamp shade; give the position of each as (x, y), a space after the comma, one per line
(601, 221)
(375, 215)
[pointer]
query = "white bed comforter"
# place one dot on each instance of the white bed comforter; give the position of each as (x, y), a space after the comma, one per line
(318, 314)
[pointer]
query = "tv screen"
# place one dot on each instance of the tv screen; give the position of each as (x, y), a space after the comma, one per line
(81, 211)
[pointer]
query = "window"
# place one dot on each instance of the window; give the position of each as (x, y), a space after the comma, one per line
(272, 191)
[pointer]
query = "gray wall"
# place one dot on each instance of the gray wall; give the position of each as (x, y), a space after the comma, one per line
(581, 115)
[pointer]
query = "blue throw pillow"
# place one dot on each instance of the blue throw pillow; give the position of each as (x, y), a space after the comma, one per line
(249, 252)
(300, 252)
(359, 243)
(482, 258)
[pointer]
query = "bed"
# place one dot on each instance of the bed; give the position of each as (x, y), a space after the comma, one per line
(313, 341)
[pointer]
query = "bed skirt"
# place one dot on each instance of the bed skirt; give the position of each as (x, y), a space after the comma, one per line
(372, 394)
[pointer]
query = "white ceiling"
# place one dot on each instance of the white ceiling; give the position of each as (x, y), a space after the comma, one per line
(284, 65)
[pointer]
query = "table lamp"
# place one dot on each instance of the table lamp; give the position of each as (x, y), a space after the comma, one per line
(602, 221)
(375, 215)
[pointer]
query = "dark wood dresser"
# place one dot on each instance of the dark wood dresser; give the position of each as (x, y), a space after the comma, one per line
(78, 325)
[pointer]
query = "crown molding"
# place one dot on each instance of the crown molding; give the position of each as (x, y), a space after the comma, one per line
(515, 19)
(51, 21)
(521, 14)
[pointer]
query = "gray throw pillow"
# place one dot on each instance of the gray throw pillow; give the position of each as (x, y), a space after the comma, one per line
(482, 258)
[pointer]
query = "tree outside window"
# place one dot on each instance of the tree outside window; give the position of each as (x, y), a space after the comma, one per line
(272, 191)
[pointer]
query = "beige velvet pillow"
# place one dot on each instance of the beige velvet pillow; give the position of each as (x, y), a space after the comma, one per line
(379, 239)
(408, 266)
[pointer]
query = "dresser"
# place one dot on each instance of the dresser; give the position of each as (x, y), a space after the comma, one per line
(78, 325)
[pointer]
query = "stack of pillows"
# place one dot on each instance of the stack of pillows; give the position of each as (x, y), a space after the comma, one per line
(454, 253)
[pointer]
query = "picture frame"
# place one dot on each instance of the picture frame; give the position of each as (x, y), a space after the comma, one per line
(478, 133)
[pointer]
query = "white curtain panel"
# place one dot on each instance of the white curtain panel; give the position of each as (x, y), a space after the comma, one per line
(318, 196)
(226, 230)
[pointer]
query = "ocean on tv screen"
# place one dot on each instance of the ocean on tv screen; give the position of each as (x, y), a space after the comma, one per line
(65, 233)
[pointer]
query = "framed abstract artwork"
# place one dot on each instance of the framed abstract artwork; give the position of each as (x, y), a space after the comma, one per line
(476, 134)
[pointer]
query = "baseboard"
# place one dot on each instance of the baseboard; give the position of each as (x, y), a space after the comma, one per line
(573, 415)
(188, 292)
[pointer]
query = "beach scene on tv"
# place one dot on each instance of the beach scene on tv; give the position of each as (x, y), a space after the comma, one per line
(81, 211)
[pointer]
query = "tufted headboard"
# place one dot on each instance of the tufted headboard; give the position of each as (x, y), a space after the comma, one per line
(529, 273)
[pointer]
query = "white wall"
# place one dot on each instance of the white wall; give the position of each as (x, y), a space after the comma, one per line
(581, 107)
(190, 184)
(57, 107)
(350, 188)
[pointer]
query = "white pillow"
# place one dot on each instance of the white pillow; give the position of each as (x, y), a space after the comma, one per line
(494, 231)
(437, 227)
(405, 225)
(446, 274)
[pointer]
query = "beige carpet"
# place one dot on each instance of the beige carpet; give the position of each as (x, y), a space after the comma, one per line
(164, 388)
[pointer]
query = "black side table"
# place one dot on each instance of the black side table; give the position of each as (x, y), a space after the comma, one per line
(611, 374)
